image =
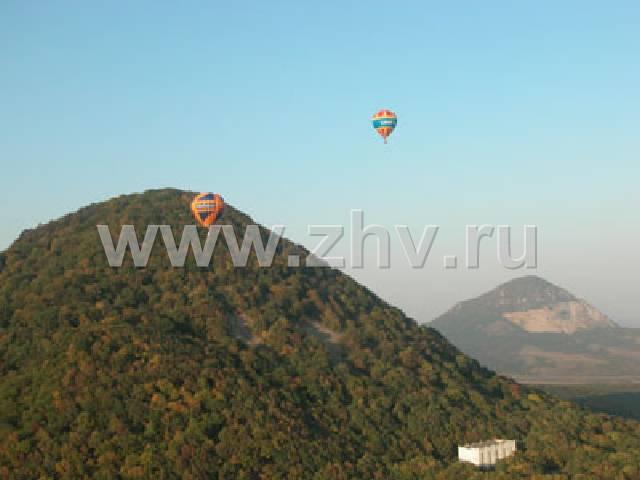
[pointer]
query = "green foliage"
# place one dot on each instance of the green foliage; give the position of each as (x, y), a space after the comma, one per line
(217, 373)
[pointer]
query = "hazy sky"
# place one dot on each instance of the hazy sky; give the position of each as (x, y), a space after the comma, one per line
(509, 113)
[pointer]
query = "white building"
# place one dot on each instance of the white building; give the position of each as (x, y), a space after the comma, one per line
(487, 453)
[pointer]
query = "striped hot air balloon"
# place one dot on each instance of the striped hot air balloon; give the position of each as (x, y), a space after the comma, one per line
(207, 207)
(384, 122)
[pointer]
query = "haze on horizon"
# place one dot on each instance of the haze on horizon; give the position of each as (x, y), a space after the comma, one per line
(508, 114)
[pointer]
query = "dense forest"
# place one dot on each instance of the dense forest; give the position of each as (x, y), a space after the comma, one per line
(249, 373)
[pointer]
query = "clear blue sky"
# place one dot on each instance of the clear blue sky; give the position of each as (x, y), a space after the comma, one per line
(509, 112)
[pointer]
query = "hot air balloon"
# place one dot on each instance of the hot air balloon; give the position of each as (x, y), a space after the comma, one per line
(384, 122)
(207, 207)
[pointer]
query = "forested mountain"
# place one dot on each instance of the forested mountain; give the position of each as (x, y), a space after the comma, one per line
(537, 332)
(249, 373)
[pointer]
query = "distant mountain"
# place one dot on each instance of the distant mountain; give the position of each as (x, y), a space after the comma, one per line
(535, 305)
(249, 373)
(536, 331)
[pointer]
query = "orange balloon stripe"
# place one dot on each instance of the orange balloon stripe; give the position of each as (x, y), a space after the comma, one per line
(384, 131)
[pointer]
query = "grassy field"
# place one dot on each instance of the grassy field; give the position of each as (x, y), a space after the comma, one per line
(615, 399)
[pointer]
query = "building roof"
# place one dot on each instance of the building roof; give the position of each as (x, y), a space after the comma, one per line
(486, 443)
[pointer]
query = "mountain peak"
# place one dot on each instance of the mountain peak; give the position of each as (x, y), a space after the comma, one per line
(530, 328)
(536, 305)
(526, 293)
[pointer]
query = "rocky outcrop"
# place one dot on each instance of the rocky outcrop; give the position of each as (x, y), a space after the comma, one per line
(563, 317)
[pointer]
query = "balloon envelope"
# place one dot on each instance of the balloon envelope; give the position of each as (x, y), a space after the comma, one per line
(384, 122)
(207, 207)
